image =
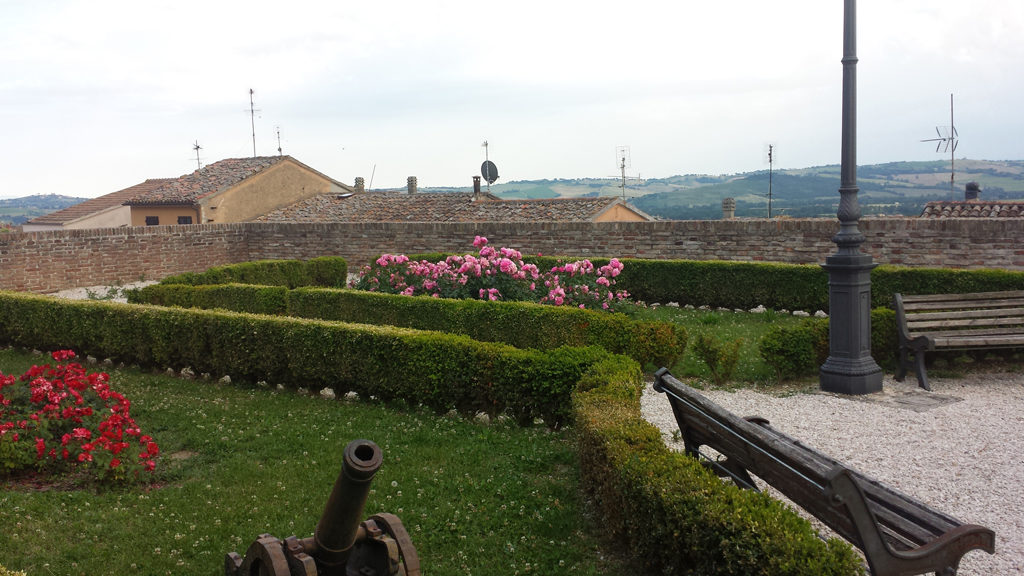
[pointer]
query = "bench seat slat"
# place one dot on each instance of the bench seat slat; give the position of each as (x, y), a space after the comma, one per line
(963, 305)
(998, 331)
(990, 341)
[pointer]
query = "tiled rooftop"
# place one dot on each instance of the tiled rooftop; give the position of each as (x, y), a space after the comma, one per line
(188, 189)
(974, 209)
(93, 205)
(438, 207)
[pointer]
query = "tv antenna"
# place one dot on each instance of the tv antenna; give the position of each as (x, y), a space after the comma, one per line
(771, 159)
(623, 160)
(488, 170)
(252, 116)
(197, 148)
(279, 153)
(946, 142)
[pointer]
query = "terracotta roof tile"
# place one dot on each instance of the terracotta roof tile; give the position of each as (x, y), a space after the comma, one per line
(974, 209)
(188, 189)
(437, 207)
(94, 205)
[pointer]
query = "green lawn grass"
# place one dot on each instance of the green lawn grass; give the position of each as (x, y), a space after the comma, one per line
(725, 325)
(237, 462)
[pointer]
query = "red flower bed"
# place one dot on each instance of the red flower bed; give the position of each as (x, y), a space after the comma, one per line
(61, 417)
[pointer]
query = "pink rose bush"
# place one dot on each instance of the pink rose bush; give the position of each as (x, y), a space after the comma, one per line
(496, 274)
(61, 417)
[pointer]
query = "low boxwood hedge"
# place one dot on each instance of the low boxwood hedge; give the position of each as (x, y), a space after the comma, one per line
(442, 371)
(672, 514)
(520, 324)
(330, 271)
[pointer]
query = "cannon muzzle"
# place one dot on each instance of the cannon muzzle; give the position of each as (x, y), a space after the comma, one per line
(338, 528)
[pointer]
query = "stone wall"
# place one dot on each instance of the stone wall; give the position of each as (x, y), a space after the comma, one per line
(50, 261)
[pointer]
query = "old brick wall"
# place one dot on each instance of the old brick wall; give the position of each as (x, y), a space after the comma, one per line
(55, 260)
(50, 261)
(963, 243)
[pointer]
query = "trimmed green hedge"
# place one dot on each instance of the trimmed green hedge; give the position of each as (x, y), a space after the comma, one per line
(800, 350)
(442, 371)
(330, 271)
(746, 285)
(671, 513)
(520, 324)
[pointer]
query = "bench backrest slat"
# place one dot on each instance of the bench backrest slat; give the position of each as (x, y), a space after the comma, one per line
(1010, 294)
(1017, 313)
(914, 325)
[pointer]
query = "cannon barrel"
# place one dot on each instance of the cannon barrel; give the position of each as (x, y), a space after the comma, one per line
(339, 525)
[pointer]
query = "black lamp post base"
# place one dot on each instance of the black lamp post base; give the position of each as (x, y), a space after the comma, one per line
(849, 380)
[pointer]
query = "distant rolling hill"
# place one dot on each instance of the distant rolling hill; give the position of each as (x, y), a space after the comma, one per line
(895, 188)
(19, 210)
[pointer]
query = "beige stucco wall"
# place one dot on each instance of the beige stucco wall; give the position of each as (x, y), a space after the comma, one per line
(620, 213)
(281, 185)
(168, 215)
(113, 218)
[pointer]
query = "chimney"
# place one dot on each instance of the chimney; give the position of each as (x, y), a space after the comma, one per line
(476, 188)
(728, 208)
(971, 191)
(410, 183)
(360, 185)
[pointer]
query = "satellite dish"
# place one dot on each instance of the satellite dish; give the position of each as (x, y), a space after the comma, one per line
(489, 171)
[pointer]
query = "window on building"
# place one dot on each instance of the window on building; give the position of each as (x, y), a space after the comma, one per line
(152, 220)
(184, 219)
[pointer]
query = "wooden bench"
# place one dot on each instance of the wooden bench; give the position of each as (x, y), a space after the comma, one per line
(976, 321)
(898, 534)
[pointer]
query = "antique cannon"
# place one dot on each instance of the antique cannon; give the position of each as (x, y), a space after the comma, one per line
(341, 545)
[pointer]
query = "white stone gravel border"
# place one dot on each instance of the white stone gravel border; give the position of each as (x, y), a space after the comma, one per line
(965, 458)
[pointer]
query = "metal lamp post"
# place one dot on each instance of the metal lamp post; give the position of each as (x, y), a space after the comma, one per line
(849, 369)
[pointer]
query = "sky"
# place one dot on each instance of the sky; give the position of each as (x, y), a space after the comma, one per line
(99, 95)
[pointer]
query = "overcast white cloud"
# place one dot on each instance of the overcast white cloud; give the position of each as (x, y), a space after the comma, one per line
(99, 95)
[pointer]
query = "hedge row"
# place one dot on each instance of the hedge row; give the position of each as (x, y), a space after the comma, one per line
(800, 350)
(669, 512)
(520, 324)
(746, 285)
(331, 271)
(672, 514)
(442, 371)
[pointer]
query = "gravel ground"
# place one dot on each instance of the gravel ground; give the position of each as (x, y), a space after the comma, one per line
(964, 455)
(111, 293)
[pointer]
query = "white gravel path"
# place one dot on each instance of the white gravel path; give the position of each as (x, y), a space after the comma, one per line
(965, 458)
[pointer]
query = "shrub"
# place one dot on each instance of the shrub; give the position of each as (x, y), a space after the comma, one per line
(720, 357)
(492, 274)
(799, 351)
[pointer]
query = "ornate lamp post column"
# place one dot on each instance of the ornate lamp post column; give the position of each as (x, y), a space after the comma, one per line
(850, 369)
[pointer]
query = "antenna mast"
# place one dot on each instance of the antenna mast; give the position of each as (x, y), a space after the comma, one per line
(279, 153)
(950, 140)
(197, 148)
(622, 155)
(252, 116)
(771, 147)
